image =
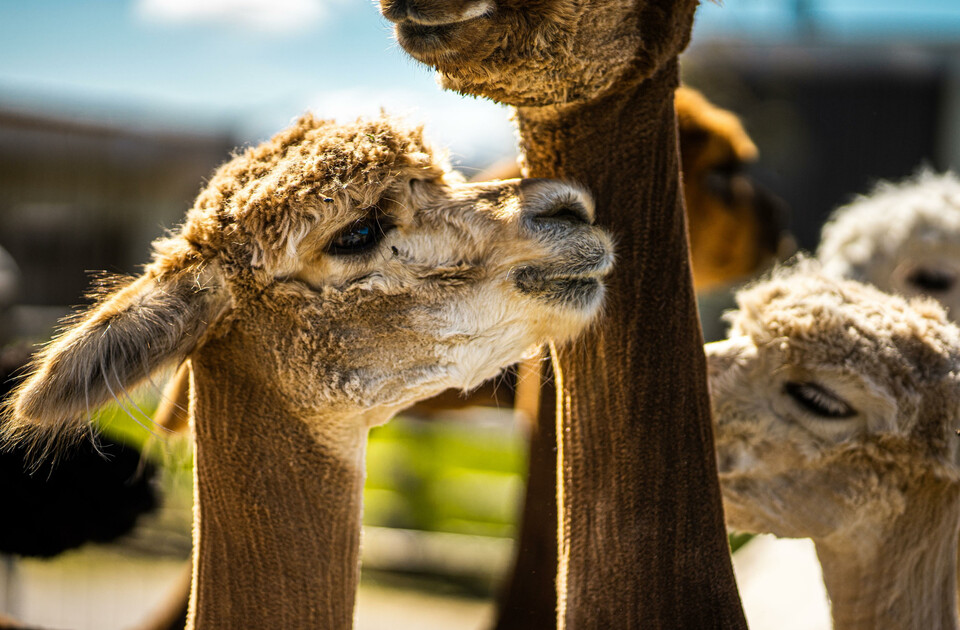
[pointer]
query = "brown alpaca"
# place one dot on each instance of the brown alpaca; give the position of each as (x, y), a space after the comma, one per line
(642, 539)
(837, 410)
(735, 225)
(321, 282)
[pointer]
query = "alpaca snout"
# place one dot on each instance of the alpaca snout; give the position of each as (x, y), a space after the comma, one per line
(434, 12)
(549, 202)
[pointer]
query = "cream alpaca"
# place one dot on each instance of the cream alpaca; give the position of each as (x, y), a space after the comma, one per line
(903, 238)
(321, 282)
(836, 408)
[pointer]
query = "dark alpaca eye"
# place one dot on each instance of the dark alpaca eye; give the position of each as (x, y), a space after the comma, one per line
(819, 400)
(360, 236)
(931, 280)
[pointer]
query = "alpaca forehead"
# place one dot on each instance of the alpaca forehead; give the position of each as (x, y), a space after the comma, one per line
(304, 175)
(843, 317)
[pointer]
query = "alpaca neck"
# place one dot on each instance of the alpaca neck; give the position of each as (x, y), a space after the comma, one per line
(639, 501)
(277, 509)
(904, 578)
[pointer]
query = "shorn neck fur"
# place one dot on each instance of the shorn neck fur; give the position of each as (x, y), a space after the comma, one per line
(641, 528)
(900, 575)
(278, 513)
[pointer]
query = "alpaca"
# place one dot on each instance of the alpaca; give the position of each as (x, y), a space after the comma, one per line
(836, 410)
(321, 282)
(641, 539)
(736, 226)
(903, 238)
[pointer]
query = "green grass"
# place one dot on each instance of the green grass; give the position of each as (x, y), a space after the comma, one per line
(456, 477)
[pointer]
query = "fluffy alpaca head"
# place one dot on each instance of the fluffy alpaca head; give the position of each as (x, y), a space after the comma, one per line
(355, 270)
(736, 226)
(540, 52)
(903, 238)
(834, 404)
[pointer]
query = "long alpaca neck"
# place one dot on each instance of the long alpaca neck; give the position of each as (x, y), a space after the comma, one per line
(277, 515)
(904, 579)
(639, 501)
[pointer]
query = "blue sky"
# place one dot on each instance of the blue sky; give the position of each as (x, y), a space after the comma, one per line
(249, 66)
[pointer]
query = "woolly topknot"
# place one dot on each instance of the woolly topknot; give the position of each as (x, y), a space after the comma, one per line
(276, 192)
(909, 346)
(866, 239)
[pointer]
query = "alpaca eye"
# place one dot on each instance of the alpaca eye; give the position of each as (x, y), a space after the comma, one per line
(360, 236)
(931, 280)
(819, 400)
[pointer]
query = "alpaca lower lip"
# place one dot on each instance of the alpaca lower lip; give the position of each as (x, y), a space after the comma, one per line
(418, 38)
(577, 290)
(578, 293)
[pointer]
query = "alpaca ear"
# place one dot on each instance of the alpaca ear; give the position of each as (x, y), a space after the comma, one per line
(147, 325)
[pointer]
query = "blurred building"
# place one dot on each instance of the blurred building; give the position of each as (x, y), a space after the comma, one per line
(837, 94)
(78, 197)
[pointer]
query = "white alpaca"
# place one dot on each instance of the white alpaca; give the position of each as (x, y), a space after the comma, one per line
(836, 410)
(902, 238)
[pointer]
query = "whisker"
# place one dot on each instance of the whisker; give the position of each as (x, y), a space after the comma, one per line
(106, 380)
(163, 396)
(135, 405)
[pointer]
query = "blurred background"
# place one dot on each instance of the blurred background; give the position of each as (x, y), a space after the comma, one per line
(113, 113)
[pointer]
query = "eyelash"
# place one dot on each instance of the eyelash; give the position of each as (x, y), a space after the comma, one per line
(818, 400)
(361, 236)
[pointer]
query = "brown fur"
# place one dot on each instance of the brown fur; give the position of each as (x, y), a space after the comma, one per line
(736, 227)
(642, 541)
(730, 238)
(541, 52)
(297, 350)
(877, 490)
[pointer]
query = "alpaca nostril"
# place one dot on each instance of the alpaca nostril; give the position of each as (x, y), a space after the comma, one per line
(565, 212)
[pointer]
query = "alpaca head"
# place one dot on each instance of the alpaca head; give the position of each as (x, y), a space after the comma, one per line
(540, 52)
(903, 238)
(351, 269)
(835, 405)
(736, 226)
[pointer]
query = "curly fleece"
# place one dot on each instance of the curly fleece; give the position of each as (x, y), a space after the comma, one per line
(862, 239)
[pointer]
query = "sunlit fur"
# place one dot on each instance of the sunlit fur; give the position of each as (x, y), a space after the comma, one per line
(540, 52)
(434, 305)
(898, 235)
(878, 492)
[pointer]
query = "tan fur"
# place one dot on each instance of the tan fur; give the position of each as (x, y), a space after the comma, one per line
(878, 491)
(731, 237)
(296, 351)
